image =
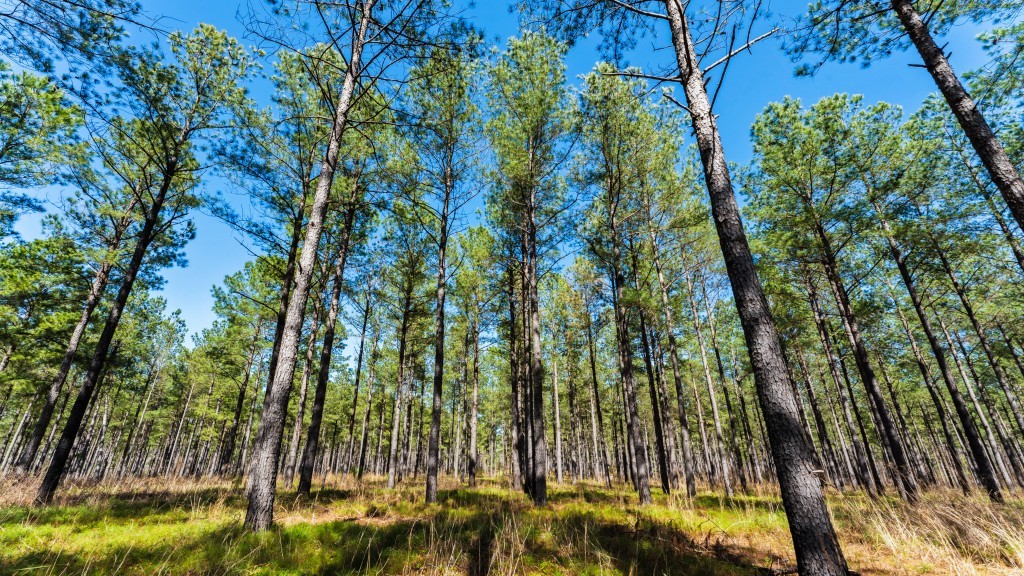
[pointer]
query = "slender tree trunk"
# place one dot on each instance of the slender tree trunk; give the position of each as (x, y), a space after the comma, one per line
(558, 420)
(860, 449)
(355, 396)
(981, 460)
(596, 414)
(364, 435)
(434, 442)
(292, 455)
(400, 386)
(260, 513)
(720, 451)
(1001, 378)
(471, 465)
(327, 351)
(905, 480)
(814, 538)
(228, 449)
(536, 369)
(673, 349)
(100, 353)
(1001, 169)
(96, 291)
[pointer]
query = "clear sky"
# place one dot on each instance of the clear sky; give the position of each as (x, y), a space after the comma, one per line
(754, 80)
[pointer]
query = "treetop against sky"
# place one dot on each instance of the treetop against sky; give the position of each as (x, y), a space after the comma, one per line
(765, 74)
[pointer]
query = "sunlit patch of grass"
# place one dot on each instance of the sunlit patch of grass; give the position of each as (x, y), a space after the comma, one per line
(143, 527)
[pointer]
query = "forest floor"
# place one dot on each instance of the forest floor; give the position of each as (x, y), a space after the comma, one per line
(156, 527)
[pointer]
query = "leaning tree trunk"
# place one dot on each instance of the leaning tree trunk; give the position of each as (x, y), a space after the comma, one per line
(300, 412)
(228, 449)
(267, 448)
(1004, 174)
(100, 353)
(814, 538)
(327, 352)
(99, 286)
(981, 460)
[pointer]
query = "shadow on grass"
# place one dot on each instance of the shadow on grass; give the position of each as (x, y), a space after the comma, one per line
(341, 547)
(650, 547)
(167, 532)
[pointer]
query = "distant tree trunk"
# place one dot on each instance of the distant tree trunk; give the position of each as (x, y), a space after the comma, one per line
(981, 460)
(596, 414)
(1001, 169)
(863, 472)
(228, 450)
(300, 412)
(558, 420)
(814, 538)
(905, 480)
(349, 445)
(400, 386)
(720, 451)
(364, 435)
(434, 441)
(536, 369)
(637, 444)
(725, 382)
(471, 465)
(997, 369)
(673, 349)
(518, 433)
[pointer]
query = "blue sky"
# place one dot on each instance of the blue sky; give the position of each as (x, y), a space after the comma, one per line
(754, 80)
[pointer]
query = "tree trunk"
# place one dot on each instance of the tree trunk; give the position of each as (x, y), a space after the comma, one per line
(673, 349)
(349, 446)
(1001, 169)
(596, 414)
(327, 352)
(981, 460)
(905, 480)
(300, 409)
(434, 442)
(100, 354)
(471, 464)
(260, 513)
(814, 538)
(720, 451)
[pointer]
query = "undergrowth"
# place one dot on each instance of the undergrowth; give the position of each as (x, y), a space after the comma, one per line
(156, 527)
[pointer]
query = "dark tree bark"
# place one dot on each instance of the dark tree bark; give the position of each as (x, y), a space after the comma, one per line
(1001, 169)
(96, 291)
(100, 354)
(434, 441)
(228, 449)
(984, 466)
(814, 537)
(327, 351)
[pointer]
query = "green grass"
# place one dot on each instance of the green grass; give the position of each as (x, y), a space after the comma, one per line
(585, 529)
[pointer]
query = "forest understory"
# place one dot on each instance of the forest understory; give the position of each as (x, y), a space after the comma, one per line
(157, 526)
